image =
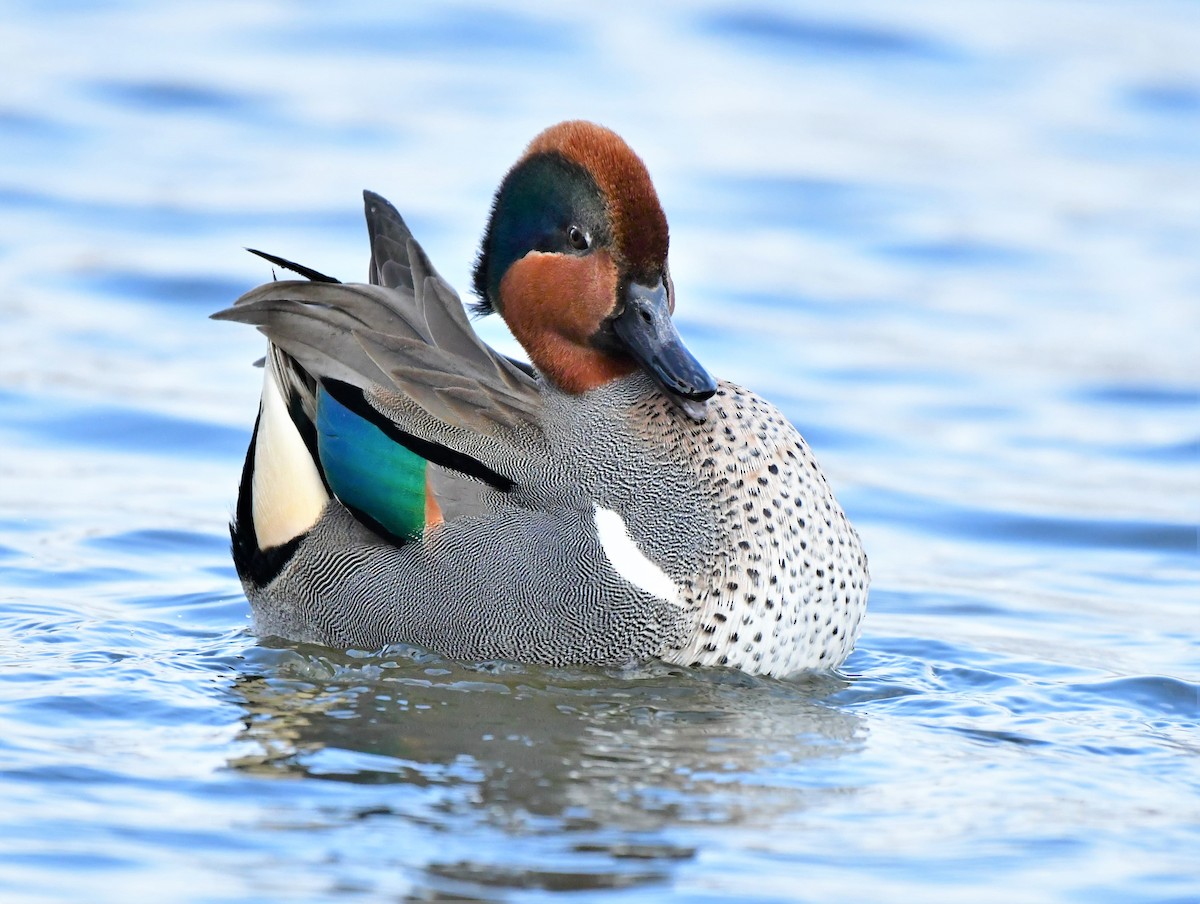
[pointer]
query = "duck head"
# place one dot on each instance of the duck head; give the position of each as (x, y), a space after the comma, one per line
(575, 260)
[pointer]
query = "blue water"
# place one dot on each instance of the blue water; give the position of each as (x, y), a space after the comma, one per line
(956, 243)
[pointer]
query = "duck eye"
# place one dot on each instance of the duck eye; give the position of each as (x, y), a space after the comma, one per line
(578, 238)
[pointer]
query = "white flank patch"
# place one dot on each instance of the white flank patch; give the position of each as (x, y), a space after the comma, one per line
(630, 562)
(288, 494)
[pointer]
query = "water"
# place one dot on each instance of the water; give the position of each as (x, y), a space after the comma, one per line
(955, 242)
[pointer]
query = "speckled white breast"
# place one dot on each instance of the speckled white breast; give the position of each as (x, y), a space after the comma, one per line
(787, 588)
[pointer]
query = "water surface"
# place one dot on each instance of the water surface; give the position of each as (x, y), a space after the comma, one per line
(955, 243)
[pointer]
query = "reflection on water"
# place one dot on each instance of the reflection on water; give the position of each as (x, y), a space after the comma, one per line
(955, 243)
(598, 764)
(633, 750)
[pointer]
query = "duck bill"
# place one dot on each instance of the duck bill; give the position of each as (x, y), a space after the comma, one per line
(648, 334)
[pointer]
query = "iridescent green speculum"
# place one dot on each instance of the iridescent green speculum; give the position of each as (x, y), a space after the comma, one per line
(368, 471)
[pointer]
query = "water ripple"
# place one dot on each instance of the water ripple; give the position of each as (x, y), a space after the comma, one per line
(944, 518)
(954, 242)
(116, 428)
(786, 34)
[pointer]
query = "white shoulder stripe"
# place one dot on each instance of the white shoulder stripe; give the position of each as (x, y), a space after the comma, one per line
(287, 490)
(628, 561)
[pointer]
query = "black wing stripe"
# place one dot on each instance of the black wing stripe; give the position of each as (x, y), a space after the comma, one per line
(307, 272)
(352, 397)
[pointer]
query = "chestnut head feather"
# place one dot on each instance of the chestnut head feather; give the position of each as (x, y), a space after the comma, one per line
(574, 173)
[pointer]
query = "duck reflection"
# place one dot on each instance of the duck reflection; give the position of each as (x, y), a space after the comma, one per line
(615, 757)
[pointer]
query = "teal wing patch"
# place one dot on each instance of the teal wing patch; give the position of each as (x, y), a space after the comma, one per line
(371, 474)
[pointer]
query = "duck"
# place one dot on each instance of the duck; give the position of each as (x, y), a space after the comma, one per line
(605, 504)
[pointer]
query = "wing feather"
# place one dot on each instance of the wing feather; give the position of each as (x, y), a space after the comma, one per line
(406, 341)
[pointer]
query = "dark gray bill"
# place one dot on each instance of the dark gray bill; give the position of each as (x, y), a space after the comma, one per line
(648, 334)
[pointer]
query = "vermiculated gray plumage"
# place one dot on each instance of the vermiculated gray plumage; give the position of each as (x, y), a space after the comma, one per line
(770, 576)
